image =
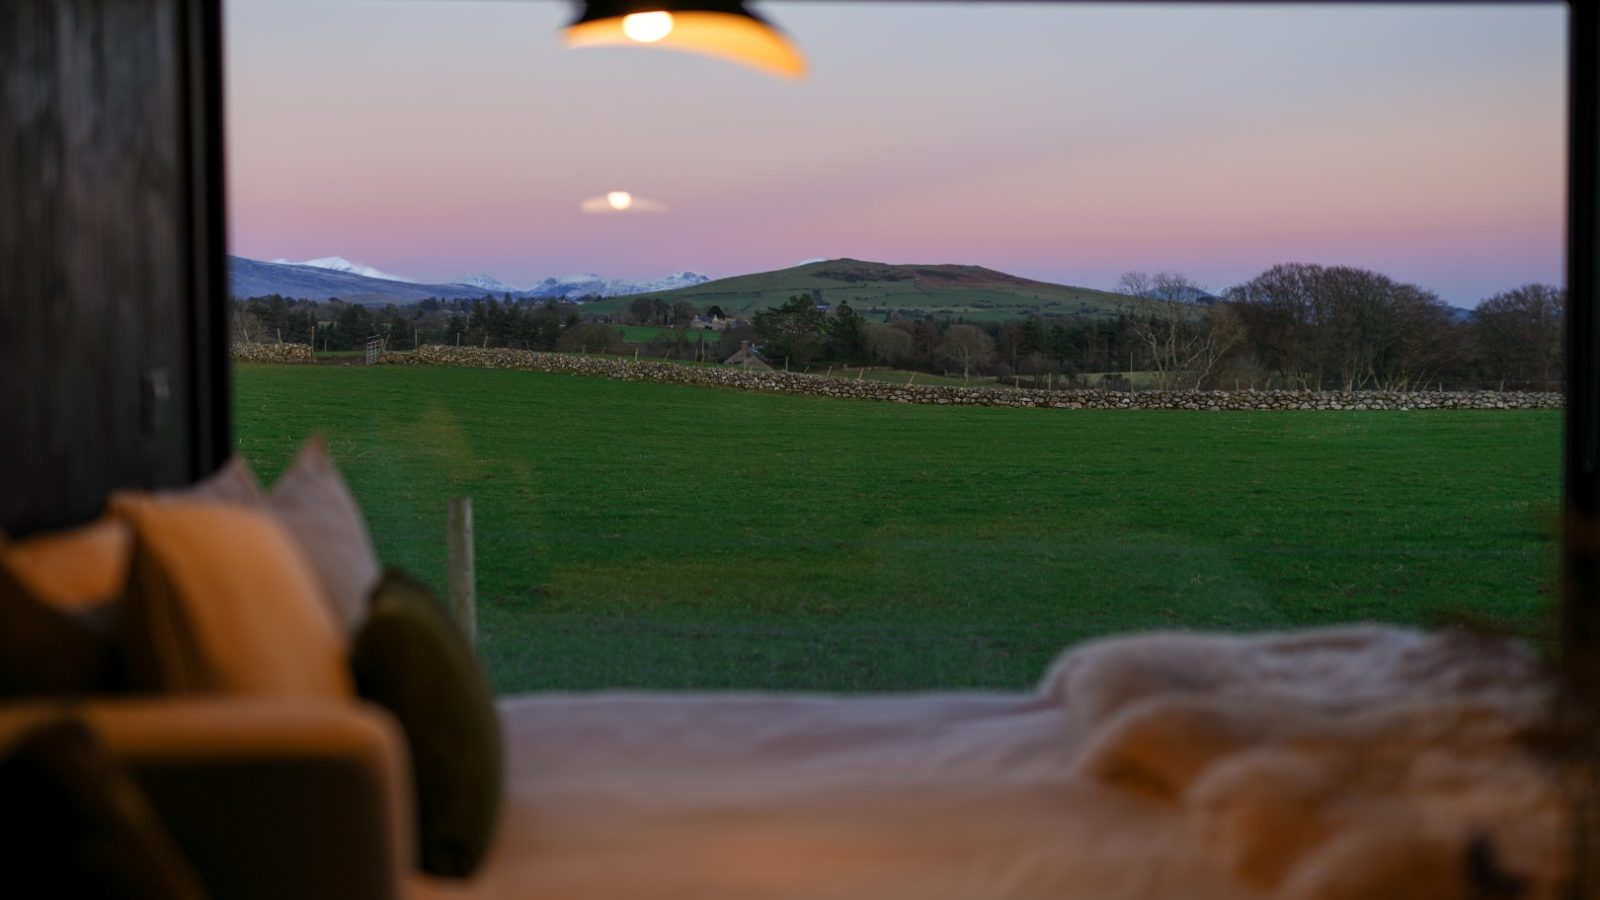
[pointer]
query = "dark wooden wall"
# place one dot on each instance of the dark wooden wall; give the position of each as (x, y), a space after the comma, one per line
(1581, 582)
(112, 309)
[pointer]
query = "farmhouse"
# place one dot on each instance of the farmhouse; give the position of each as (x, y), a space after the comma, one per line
(747, 358)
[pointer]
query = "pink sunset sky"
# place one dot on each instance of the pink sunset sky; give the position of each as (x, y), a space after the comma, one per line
(438, 138)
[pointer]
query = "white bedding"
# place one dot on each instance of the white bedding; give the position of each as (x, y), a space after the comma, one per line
(1327, 764)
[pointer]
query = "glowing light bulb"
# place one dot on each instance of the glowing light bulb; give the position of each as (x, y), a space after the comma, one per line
(647, 27)
(619, 200)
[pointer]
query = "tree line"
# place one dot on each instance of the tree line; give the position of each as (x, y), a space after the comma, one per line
(544, 325)
(336, 324)
(1294, 325)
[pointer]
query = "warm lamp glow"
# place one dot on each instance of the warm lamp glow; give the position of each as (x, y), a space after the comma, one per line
(647, 27)
(619, 200)
(735, 35)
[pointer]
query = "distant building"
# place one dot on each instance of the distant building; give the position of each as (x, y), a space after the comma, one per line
(748, 358)
(710, 323)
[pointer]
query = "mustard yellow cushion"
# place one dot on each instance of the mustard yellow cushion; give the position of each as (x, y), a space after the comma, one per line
(73, 570)
(220, 600)
(312, 502)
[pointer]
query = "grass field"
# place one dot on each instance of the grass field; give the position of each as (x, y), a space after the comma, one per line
(644, 334)
(656, 536)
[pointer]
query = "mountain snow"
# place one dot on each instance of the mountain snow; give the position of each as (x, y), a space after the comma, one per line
(340, 264)
(573, 287)
(488, 283)
(567, 287)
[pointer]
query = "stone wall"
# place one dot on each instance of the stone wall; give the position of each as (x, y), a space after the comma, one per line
(817, 385)
(272, 353)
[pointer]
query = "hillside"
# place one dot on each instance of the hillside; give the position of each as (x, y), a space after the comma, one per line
(874, 288)
(254, 278)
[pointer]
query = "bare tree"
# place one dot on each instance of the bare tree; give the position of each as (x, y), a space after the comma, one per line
(1223, 333)
(1355, 329)
(967, 346)
(1520, 333)
(246, 323)
(1185, 339)
(1281, 315)
(887, 345)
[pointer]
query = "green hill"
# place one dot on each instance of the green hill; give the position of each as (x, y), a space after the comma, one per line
(874, 289)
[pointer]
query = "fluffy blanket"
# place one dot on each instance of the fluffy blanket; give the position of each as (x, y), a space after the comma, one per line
(1345, 763)
(1342, 763)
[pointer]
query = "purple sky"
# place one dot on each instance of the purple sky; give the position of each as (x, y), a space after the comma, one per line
(434, 139)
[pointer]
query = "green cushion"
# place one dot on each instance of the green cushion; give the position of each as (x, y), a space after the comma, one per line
(411, 658)
(74, 825)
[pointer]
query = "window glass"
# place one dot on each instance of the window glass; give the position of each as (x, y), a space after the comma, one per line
(1007, 327)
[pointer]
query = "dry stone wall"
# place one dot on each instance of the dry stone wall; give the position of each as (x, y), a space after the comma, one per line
(818, 385)
(272, 353)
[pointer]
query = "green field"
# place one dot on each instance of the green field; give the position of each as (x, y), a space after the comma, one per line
(874, 289)
(902, 376)
(656, 536)
(644, 334)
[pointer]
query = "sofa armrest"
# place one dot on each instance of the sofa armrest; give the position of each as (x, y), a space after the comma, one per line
(268, 798)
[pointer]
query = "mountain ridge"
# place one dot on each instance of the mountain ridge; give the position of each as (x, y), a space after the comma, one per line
(873, 288)
(337, 277)
(340, 264)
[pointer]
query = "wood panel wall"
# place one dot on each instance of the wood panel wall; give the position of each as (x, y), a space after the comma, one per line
(112, 314)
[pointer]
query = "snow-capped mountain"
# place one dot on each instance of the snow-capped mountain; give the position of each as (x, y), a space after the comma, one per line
(573, 287)
(335, 276)
(340, 264)
(254, 278)
(488, 283)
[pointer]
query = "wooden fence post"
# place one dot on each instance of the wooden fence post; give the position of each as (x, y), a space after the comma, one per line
(463, 593)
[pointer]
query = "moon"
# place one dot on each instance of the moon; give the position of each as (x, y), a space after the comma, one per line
(614, 203)
(647, 27)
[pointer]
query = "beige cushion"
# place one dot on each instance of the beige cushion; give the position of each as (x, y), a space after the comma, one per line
(314, 505)
(220, 600)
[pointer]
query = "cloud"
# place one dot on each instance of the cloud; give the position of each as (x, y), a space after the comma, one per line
(620, 202)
